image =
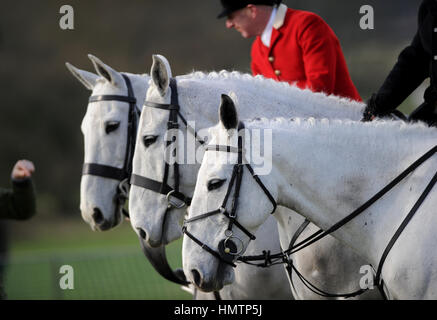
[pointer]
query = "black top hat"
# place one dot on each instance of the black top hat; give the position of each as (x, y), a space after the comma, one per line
(230, 6)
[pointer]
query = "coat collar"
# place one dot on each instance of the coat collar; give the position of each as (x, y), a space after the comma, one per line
(280, 16)
(277, 24)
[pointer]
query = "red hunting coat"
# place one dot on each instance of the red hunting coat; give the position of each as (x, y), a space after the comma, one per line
(304, 50)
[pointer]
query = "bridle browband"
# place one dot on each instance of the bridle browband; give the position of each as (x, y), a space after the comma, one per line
(120, 174)
(162, 187)
(228, 251)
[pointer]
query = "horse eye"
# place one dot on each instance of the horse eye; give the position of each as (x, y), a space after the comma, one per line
(111, 126)
(215, 184)
(149, 140)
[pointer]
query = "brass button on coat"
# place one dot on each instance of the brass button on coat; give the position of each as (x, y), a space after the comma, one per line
(271, 58)
(277, 72)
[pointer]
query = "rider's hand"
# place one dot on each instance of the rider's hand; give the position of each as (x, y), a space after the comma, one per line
(23, 169)
(369, 111)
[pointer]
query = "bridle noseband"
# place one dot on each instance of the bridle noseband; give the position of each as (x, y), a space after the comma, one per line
(110, 172)
(162, 187)
(228, 251)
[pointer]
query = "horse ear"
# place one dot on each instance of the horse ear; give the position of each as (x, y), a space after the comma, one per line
(88, 79)
(160, 73)
(106, 71)
(228, 113)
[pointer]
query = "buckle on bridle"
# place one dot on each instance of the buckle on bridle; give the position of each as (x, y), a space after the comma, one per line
(172, 125)
(286, 258)
(172, 203)
(232, 247)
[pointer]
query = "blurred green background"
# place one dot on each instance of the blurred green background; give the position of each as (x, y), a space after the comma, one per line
(42, 107)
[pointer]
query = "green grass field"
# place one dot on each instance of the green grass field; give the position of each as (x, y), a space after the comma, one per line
(107, 265)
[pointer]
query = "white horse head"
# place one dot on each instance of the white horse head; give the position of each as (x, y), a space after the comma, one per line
(105, 130)
(148, 210)
(215, 182)
(198, 95)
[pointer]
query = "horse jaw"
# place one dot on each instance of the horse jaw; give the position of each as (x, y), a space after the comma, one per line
(214, 274)
(146, 217)
(101, 191)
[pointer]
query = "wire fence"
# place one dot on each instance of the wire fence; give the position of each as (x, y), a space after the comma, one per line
(98, 273)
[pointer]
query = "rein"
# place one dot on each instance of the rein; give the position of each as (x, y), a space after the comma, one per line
(120, 174)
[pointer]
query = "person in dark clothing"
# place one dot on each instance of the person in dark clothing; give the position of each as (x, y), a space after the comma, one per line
(18, 203)
(416, 63)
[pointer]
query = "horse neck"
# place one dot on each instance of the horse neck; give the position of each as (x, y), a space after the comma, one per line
(259, 97)
(325, 173)
(199, 96)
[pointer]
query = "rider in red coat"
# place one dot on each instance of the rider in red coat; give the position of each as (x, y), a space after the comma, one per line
(291, 45)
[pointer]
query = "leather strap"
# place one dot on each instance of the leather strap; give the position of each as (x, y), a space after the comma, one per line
(158, 187)
(205, 247)
(402, 227)
(104, 171)
(298, 232)
(109, 97)
(321, 234)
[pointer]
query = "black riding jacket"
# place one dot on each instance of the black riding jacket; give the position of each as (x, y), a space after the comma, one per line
(18, 203)
(416, 62)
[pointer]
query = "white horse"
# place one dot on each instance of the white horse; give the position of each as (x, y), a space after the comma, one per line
(98, 193)
(326, 169)
(197, 95)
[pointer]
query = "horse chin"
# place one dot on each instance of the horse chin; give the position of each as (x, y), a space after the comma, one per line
(224, 276)
(154, 243)
(225, 273)
(107, 225)
(118, 215)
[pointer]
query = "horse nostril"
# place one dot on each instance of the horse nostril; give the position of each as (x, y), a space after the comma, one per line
(143, 233)
(98, 216)
(196, 277)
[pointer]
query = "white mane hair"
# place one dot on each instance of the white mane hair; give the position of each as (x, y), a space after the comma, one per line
(282, 123)
(284, 89)
(380, 133)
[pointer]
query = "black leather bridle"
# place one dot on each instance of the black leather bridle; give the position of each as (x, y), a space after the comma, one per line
(120, 174)
(228, 251)
(162, 187)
